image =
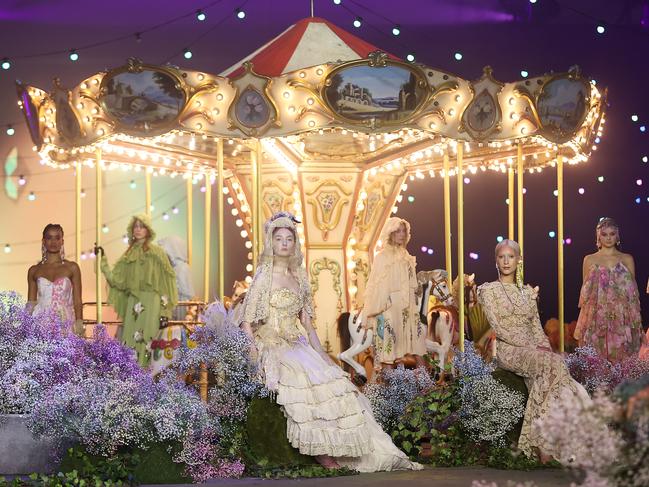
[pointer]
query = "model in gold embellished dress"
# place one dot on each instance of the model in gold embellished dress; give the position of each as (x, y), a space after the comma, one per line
(523, 348)
(326, 415)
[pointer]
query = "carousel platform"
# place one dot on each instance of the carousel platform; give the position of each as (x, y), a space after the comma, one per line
(438, 477)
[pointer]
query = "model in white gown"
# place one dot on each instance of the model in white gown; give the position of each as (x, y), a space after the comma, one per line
(326, 415)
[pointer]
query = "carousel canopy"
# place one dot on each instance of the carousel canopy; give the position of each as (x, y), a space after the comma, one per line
(315, 94)
(306, 43)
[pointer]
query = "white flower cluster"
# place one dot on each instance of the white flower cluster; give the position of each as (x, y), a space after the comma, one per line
(490, 409)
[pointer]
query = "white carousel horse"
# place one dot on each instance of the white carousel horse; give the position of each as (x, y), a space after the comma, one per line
(441, 319)
(360, 340)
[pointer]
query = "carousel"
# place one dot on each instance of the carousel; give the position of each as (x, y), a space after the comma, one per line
(320, 123)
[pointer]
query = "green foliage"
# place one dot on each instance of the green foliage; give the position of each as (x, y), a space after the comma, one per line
(297, 471)
(130, 467)
(268, 453)
(266, 436)
(432, 419)
(511, 459)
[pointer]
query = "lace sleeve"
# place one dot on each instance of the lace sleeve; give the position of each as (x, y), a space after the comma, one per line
(305, 290)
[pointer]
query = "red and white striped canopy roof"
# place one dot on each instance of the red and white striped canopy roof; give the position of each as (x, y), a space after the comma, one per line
(309, 42)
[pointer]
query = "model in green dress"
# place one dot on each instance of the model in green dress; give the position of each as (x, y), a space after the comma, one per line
(142, 287)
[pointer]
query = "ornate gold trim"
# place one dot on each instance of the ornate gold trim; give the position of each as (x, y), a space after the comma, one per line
(326, 264)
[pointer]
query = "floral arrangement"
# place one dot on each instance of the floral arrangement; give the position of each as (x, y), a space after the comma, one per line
(608, 439)
(396, 389)
(595, 372)
(489, 408)
(93, 392)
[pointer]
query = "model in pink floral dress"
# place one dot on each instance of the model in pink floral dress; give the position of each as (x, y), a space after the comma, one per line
(609, 319)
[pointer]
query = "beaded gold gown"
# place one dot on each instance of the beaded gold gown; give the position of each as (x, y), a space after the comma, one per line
(514, 316)
(325, 413)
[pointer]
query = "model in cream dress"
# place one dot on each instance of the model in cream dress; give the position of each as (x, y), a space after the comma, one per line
(327, 417)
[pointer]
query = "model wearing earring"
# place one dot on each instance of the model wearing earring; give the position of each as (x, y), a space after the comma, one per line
(609, 317)
(523, 347)
(55, 283)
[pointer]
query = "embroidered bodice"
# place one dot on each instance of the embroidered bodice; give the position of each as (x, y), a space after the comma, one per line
(283, 322)
(56, 295)
(513, 314)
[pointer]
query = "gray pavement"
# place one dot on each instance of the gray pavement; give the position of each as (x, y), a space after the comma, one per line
(429, 477)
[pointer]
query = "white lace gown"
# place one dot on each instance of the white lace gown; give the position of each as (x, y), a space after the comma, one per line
(56, 295)
(325, 413)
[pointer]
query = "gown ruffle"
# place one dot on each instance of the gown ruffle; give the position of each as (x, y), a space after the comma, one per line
(325, 413)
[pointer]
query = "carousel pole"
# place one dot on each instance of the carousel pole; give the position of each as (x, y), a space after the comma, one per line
(519, 179)
(447, 219)
(147, 193)
(560, 268)
(98, 228)
(207, 223)
(510, 204)
(260, 201)
(77, 208)
(460, 238)
(190, 215)
(253, 208)
(219, 189)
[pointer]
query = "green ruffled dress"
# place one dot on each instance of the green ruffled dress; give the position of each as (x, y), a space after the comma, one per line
(145, 277)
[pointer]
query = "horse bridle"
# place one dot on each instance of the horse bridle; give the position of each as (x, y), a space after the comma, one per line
(437, 286)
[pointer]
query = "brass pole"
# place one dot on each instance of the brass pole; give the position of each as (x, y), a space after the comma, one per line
(206, 244)
(77, 208)
(260, 200)
(98, 228)
(447, 219)
(220, 216)
(190, 215)
(460, 238)
(510, 206)
(560, 269)
(147, 193)
(253, 208)
(519, 179)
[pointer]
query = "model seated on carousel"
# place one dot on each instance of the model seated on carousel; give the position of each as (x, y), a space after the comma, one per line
(55, 283)
(523, 348)
(390, 304)
(326, 415)
(142, 287)
(609, 319)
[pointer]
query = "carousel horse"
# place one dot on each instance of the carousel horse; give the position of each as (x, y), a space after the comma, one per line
(441, 319)
(354, 341)
(170, 338)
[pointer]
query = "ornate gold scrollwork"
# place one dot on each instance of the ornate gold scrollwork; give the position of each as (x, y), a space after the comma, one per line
(277, 197)
(326, 264)
(327, 201)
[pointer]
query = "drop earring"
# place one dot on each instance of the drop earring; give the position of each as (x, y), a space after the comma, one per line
(62, 253)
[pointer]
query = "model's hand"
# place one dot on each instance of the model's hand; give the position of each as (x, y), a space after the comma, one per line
(98, 250)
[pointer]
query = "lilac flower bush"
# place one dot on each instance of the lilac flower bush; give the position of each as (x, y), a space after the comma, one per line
(396, 390)
(595, 372)
(94, 393)
(224, 350)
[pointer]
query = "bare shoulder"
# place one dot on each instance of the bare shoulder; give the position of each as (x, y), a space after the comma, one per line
(590, 258)
(627, 259)
(31, 273)
(72, 266)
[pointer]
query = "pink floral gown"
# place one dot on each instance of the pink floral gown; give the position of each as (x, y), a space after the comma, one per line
(56, 295)
(609, 319)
